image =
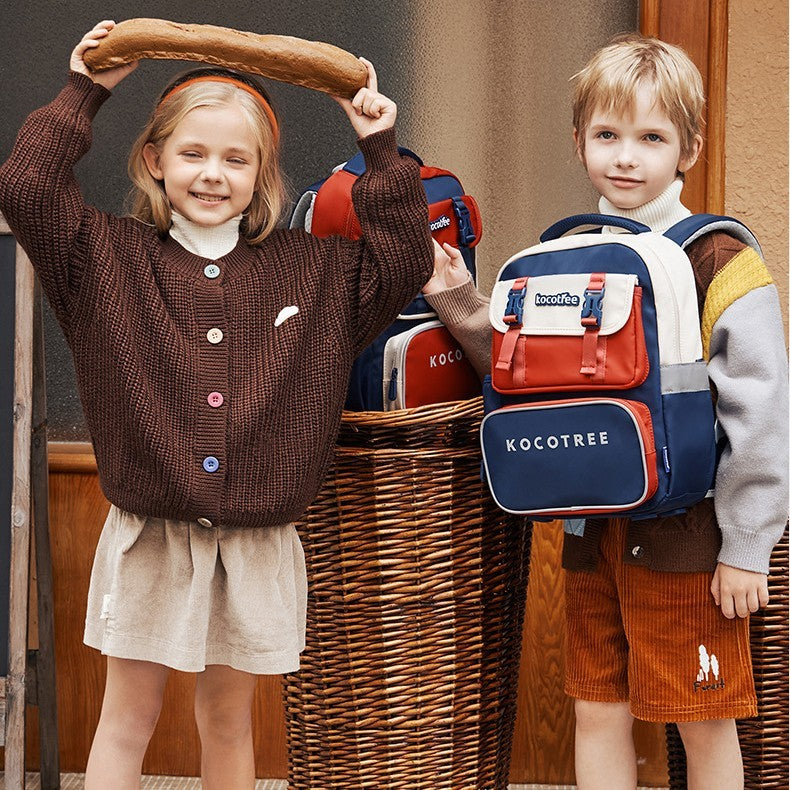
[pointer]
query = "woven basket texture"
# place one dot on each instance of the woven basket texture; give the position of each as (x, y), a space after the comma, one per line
(415, 611)
(763, 739)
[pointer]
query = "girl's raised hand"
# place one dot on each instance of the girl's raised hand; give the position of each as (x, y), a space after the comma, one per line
(369, 111)
(110, 78)
(449, 269)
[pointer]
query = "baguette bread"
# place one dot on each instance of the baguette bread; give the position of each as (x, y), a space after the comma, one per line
(312, 64)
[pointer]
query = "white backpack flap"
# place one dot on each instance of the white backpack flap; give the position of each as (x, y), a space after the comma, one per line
(553, 304)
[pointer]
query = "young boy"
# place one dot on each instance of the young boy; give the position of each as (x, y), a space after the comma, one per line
(657, 610)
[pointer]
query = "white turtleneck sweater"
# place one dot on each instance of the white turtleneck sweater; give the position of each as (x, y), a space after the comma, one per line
(659, 214)
(207, 242)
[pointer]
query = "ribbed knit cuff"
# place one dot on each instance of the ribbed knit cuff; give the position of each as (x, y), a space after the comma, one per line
(456, 304)
(84, 94)
(750, 551)
(380, 149)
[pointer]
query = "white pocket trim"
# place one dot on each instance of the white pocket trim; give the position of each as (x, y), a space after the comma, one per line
(553, 304)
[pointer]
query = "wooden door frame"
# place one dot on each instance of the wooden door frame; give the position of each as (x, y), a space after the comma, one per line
(701, 28)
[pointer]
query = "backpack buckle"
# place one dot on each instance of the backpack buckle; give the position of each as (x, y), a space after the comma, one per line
(592, 309)
(466, 234)
(592, 314)
(514, 311)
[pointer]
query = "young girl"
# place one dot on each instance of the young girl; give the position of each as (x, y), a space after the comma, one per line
(212, 353)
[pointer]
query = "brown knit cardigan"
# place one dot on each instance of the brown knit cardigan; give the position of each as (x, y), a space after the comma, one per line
(153, 337)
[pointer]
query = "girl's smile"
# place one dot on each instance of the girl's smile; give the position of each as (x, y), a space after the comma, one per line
(209, 198)
(209, 164)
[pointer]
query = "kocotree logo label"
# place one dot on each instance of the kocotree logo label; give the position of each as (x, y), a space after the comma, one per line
(448, 358)
(441, 222)
(556, 441)
(557, 300)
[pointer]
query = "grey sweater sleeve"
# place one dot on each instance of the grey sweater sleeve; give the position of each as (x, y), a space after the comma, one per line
(464, 311)
(748, 365)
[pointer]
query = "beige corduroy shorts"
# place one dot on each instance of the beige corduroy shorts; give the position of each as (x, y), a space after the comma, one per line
(185, 596)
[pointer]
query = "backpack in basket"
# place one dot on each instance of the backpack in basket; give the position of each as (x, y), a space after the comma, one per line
(598, 402)
(416, 360)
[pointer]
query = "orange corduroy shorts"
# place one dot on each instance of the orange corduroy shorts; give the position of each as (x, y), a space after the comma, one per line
(655, 640)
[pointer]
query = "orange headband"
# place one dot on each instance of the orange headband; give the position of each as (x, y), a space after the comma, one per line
(238, 84)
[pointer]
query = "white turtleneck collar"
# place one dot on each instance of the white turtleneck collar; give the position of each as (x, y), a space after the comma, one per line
(660, 213)
(207, 242)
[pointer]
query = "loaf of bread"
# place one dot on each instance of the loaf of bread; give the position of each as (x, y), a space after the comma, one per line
(312, 64)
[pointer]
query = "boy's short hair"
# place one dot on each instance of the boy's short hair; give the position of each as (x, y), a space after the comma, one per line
(610, 80)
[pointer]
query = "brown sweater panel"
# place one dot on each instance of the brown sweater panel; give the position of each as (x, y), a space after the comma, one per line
(137, 311)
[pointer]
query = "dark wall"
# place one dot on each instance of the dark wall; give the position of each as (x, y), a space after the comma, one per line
(37, 40)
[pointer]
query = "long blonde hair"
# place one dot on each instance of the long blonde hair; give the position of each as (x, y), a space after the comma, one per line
(614, 73)
(147, 198)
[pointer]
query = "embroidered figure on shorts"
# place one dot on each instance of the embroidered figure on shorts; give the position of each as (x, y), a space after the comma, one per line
(708, 665)
(285, 314)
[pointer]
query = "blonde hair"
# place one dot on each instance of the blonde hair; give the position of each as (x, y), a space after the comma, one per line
(148, 201)
(610, 80)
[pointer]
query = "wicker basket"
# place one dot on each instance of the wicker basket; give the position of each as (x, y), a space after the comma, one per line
(764, 739)
(415, 610)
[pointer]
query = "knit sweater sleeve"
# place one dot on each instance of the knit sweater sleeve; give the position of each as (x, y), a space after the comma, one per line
(39, 194)
(394, 257)
(464, 311)
(743, 339)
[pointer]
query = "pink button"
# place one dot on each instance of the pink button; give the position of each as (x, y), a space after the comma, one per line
(215, 399)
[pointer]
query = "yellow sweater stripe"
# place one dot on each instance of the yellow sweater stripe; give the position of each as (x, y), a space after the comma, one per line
(743, 273)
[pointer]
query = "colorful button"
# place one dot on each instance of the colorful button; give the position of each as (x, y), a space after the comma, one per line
(204, 522)
(211, 271)
(210, 463)
(215, 399)
(214, 335)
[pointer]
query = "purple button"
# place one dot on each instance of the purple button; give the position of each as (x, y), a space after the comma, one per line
(210, 463)
(215, 399)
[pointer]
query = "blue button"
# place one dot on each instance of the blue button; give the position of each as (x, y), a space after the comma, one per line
(210, 463)
(211, 271)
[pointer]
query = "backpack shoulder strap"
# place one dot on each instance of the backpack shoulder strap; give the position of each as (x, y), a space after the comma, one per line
(690, 229)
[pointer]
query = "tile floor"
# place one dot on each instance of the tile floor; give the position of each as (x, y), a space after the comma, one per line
(75, 781)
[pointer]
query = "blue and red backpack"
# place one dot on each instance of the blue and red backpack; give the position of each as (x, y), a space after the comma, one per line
(598, 402)
(416, 360)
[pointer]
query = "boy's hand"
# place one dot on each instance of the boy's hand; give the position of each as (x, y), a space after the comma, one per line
(449, 269)
(110, 78)
(738, 592)
(369, 111)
